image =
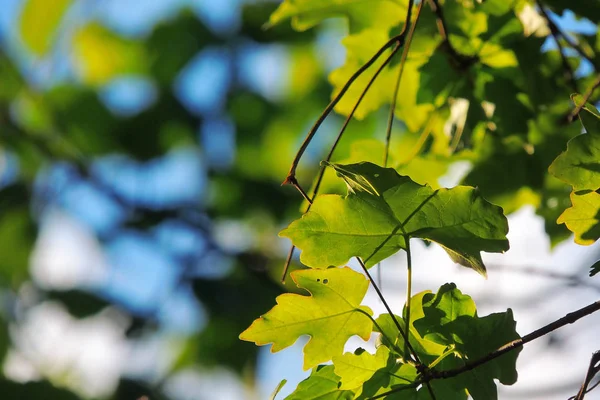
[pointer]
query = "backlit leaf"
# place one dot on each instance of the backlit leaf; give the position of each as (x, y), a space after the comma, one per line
(383, 208)
(322, 384)
(39, 22)
(307, 13)
(450, 318)
(330, 315)
(583, 218)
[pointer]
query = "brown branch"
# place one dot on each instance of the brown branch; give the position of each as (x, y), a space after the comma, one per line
(555, 32)
(571, 279)
(508, 347)
(593, 370)
(330, 154)
(398, 41)
(404, 334)
(554, 28)
(586, 97)
(390, 121)
(462, 61)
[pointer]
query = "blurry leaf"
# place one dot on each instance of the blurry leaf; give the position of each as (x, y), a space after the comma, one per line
(101, 55)
(230, 312)
(173, 43)
(39, 22)
(4, 341)
(331, 315)
(79, 303)
(594, 269)
(42, 390)
(11, 79)
(322, 384)
(583, 218)
(17, 234)
(130, 389)
(82, 119)
(307, 13)
(383, 208)
(254, 16)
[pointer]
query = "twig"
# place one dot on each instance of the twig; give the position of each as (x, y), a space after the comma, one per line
(572, 279)
(331, 151)
(592, 371)
(390, 121)
(586, 97)
(554, 31)
(508, 347)
(554, 28)
(462, 60)
(405, 334)
(397, 40)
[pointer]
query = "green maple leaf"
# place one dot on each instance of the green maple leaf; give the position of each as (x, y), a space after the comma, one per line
(383, 209)
(331, 315)
(450, 319)
(322, 384)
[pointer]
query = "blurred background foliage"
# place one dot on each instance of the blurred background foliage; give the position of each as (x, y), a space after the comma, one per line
(142, 147)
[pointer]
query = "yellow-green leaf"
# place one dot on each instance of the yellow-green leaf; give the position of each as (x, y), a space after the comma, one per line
(39, 22)
(102, 55)
(330, 315)
(583, 218)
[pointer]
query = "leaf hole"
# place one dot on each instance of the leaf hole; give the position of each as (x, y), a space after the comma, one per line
(325, 281)
(376, 175)
(318, 280)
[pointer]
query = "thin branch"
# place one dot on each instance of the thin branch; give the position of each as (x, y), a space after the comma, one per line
(390, 121)
(332, 150)
(508, 347)
(554, 28)
(586, 97)
(554, 31)
(571, 279)
(404, 334)
(593, 370)
(397, 40)
(462, 61)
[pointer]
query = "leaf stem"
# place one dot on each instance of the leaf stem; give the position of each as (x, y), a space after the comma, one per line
(390, 122)
(585, 99)
(389, 310)
(451, 349)
(392, 343)
(408, 282)
(555, 33)
(295, 183)
(397, 40)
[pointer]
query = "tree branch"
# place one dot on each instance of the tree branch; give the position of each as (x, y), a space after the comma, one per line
(508, 347)
(397, 40)
(390, 122)
(555, 32)
(586, 97)
(592, 371)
